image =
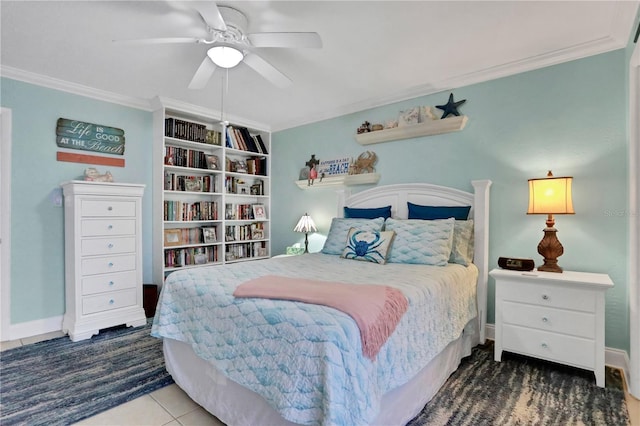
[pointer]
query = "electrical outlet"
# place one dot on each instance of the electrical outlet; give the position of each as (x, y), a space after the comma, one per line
(56, 197)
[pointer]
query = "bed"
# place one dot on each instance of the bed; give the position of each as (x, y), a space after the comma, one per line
(254, 361)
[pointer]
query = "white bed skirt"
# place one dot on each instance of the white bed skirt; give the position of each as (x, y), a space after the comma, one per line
(236, 405)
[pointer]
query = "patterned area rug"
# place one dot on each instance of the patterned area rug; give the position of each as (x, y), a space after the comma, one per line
(524, 391)
(59, 382)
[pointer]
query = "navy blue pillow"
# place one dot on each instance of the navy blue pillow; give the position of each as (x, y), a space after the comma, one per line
(417, 211)
(372, 213)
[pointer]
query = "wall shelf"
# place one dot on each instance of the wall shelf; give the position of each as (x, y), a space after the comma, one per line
(431, 127)
(344, 180)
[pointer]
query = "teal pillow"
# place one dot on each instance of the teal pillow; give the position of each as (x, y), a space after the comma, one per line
(426, 242)
(417, 211)
(462, 249)
(372, 213)
(337, 238)
(370, 246)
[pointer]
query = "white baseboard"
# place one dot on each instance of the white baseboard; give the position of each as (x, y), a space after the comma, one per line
(33, 328)
(616, 358)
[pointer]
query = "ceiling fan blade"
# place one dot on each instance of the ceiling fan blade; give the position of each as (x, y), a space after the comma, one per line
(267, 70)
(285, 40)
(160, 40)
(203, 74)
(211, 15)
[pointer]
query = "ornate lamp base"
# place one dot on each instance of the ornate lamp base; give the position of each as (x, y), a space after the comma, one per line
(550, 248)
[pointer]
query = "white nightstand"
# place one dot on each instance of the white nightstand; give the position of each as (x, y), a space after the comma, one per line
(553, 316)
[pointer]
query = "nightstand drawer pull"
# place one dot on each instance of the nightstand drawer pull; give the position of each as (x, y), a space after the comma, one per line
(545, 297)
(545, 319)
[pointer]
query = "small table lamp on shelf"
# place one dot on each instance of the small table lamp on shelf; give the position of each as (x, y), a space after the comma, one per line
(550, 195)
(306, 225)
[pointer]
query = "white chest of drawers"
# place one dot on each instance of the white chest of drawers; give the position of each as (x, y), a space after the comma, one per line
(553, 316)
(103, 257)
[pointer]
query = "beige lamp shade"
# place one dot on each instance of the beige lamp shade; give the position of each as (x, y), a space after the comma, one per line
(550, 195)
(305, 224)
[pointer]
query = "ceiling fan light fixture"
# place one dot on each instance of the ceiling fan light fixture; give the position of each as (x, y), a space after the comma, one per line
(225, 56)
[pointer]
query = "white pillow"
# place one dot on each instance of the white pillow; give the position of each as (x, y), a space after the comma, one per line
(462, 249)
(426, 242)
(370, 246)
(337, 238)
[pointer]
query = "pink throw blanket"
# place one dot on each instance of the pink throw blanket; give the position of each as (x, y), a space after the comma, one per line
(376, 309)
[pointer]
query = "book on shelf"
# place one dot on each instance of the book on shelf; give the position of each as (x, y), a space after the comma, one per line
(178, 182)
(179, 211)
(240, 138)
(184, 157)
(186, 130)
(176, 258)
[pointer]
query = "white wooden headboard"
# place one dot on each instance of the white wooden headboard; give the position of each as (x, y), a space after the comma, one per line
(434, 195)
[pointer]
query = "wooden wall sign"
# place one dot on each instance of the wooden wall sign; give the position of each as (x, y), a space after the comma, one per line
(76, 134)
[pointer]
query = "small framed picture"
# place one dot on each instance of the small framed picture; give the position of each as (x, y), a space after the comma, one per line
(209, 235)
(256, 189)
(259, 211)
(240, 167)
(213, 162)
(193, 184)
(172, 237)
(242, 188)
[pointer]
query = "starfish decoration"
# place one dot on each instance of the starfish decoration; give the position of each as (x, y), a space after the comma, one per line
(450, 107)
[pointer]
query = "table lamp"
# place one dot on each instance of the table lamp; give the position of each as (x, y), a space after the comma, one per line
(306, 225)
(550, 195)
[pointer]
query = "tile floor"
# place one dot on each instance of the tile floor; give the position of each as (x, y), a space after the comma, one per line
(170, 406)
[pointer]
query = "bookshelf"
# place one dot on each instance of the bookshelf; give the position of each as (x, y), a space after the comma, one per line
(212, 197)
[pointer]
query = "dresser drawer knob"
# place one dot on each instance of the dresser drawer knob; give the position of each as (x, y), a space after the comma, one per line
(545, 297)
(110, 227)
(111, 302)
(545, 319)
(110, 245)
(544, 345)
(109, 208)
(110, 264)
(111, 282)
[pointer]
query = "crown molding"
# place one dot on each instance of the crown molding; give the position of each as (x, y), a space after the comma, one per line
(620, 29)
(185, 107)
(74, 88)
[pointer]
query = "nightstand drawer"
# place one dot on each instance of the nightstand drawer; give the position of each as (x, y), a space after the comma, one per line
(103, 227)
(549, 295)
(91, 247)
(108, 282)
(553, 347)
(107, 264)
(574, 323)
(108, 301)
(97, 208)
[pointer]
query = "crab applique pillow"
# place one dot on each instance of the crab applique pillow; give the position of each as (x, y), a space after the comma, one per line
(367, 245)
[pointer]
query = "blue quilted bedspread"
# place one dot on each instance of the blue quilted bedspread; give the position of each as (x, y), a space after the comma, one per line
(306, 360)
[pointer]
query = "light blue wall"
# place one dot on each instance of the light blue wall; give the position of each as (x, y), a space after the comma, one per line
(37, 226)
(570, 118)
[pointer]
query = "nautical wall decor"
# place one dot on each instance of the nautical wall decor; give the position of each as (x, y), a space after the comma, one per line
(80, 135)
(75, 134)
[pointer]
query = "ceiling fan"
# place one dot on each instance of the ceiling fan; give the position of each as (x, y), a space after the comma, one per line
(231, 44)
